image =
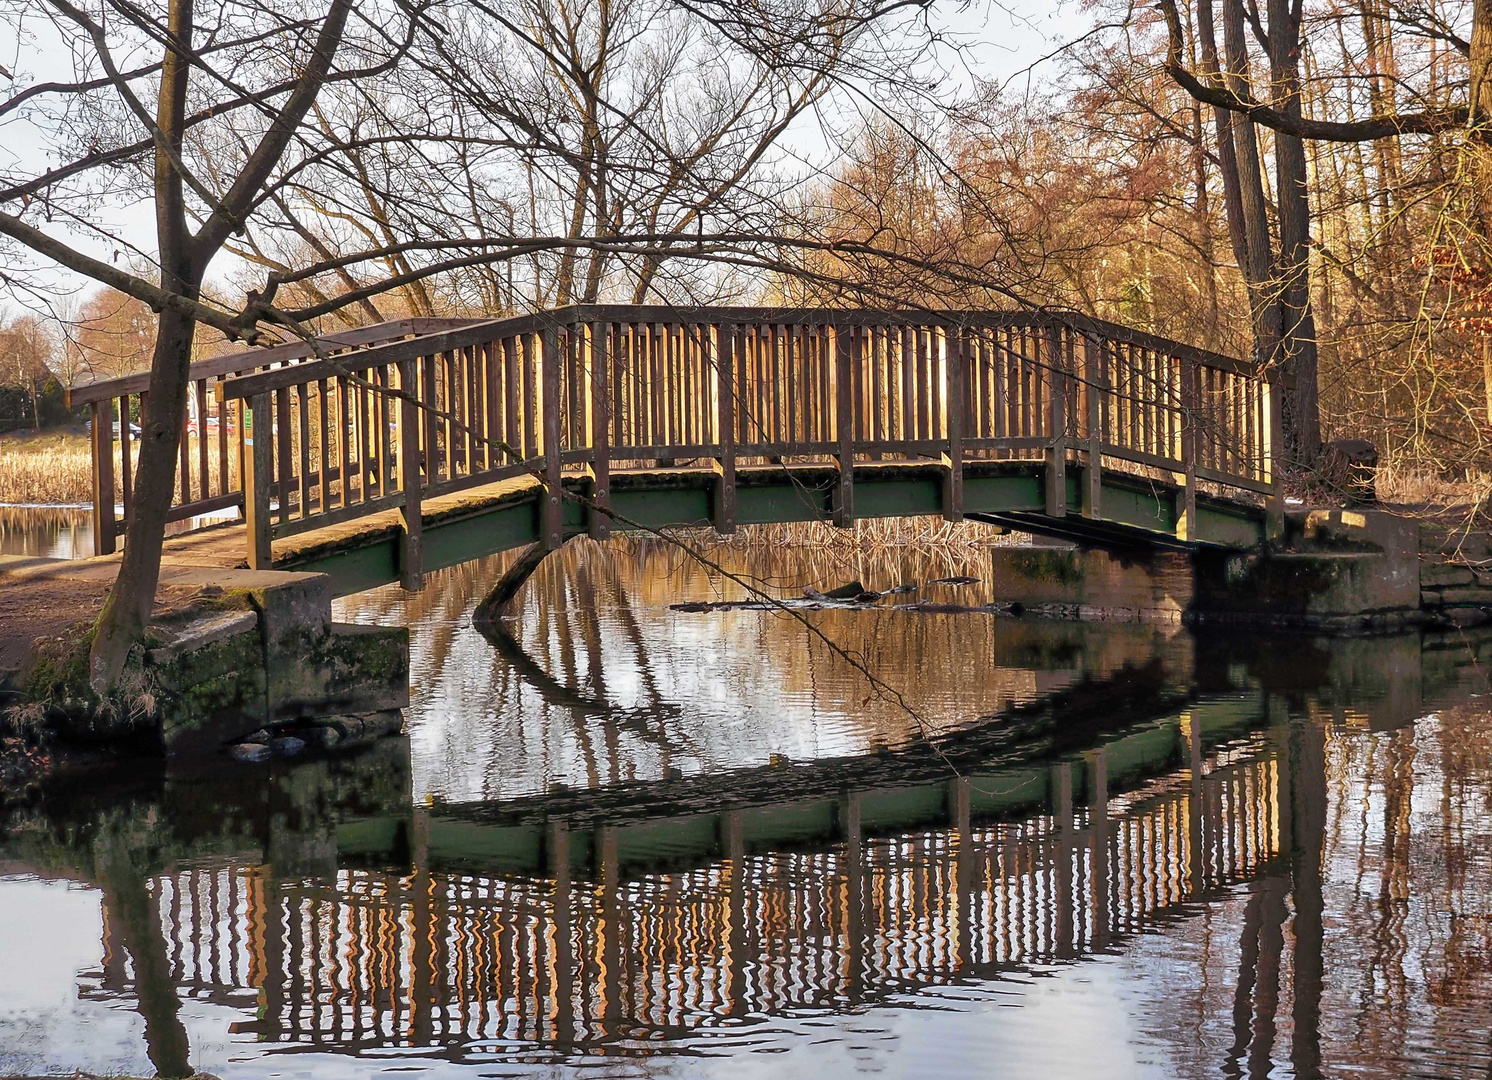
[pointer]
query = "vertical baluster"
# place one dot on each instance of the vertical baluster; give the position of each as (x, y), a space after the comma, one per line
(1093, 421)
(600, 338)
(225, 418)
(204, 488)
(531, 375)
(1186, 524)
(303, 395)
(345, 427)
(283, 458)
(411, 521)
(512, 384)
(492, 418)
(323, 430)
(553, 512)
(101, 446)
(258, 477)
(844, 507)
(1056, 463)
(956, 344)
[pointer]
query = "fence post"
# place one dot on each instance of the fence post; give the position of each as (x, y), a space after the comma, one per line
(258, 478)
(600, 362)
(1093, 391)
(955, 343)
(412, 541)
(1274, 505)
(724, 508)
(844, 405)
(1186, 516)
(103, 476)
(551, 516)
(1056, 455)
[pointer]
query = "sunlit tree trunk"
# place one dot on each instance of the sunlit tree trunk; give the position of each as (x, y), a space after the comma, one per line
(130, 602)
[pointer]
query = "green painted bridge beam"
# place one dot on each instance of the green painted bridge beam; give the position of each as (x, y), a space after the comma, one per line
(1134, 512)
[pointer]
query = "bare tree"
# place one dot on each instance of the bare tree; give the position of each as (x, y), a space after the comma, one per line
(26, 351)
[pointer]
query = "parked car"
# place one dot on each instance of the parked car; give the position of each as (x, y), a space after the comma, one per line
(214, 424)
(134, 429)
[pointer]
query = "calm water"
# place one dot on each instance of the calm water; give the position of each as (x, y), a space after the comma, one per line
(623, 840)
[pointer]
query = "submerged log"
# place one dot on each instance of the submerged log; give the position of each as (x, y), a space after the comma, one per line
(495, 603)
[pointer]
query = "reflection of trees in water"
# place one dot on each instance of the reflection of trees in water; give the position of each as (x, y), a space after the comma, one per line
(595, 644)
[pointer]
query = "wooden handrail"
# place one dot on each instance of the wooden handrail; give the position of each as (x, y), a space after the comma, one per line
(234, 363)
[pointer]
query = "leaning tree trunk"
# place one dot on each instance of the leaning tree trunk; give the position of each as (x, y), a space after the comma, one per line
(127, 611)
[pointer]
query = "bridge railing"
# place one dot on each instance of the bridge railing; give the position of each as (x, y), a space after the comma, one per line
(210, 471)
(384, 426)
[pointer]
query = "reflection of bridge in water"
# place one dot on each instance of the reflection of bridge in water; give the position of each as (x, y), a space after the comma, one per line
(592, 931)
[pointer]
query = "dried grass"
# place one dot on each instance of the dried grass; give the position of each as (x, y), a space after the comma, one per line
(47, 468)
(912, 533)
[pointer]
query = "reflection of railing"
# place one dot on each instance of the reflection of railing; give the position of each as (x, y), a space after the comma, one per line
(618, 386)
(464, 959)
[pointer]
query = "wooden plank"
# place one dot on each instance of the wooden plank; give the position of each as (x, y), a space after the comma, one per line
(411, 524)
(282, 462)
(724, 505)
(225, 481)
(953, 462)
(1093, 419)
(1056, 461)
(600, 362)
(257, 480)
(323, 467)
(552, 512)
(203, 473)
(1186, 516)
(101, 442)
(844, 491)
(304, 464)
(1274, 523)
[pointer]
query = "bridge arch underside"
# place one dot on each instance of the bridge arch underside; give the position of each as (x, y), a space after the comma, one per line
(1136, 512)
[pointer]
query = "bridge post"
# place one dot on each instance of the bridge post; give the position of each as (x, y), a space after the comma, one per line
(1186, 516)
(955, 343)
(724, 502)
(258, 477)
(551, 513)
(1056, 455)
(1274, 505)
(411, 533)
(1093, 391)
(102, 443)
(600, 363)
(844, 413)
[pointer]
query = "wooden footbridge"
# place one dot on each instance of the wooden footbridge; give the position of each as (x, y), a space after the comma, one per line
(380, 453)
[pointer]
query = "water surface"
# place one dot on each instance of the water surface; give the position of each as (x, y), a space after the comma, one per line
(626, 840)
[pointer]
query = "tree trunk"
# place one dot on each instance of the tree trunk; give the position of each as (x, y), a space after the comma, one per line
(122, 623)
(127, 611)
(1298, 358)
(1481, 101)
(1258, 269)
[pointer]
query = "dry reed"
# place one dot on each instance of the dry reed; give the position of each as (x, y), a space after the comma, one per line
(45, 469)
